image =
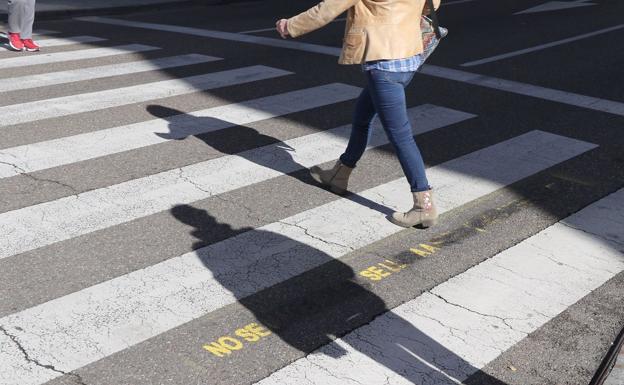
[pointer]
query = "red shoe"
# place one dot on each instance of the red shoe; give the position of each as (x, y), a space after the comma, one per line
(30, 45)
(15, 42)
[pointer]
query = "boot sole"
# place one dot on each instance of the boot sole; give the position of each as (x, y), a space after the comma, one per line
(334, 189)
(424, 224)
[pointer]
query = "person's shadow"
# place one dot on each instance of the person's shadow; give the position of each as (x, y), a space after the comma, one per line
(248, 143)
(308, 298)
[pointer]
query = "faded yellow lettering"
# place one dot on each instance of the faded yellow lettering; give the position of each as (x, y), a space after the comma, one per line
(217, 349)
(431, 249)
(230, 343)
(391, 266)
(403, 266)
(419, 252)
(247, 335)
(382, 273)
(370, 275)
(258, 330)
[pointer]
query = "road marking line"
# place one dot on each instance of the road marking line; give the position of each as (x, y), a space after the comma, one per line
(57, 57)
(251, 39)
(550, 94)
(541, 47)
(273, 28)
(100, 100)
(37, 32)
(58, 152)
(57, 42)
(91, 73)
(556, 6)
(120, 313)
(588, 102)
(464, 323)
(98, 209)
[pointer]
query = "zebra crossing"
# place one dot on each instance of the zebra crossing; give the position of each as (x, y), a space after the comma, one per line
(442, 336)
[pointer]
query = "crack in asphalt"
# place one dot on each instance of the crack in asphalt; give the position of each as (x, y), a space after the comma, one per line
(26, 174)
(503, 320)
(32, 360)
(621, 243)
(306, 232)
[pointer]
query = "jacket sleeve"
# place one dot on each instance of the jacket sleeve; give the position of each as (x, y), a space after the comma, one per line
(426, 10)
(318, 16)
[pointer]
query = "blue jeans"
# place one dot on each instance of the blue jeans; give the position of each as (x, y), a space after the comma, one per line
(385, 96)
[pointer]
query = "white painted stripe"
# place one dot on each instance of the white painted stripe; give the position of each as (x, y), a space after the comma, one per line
(37, 32)
(69, 41)
(127, 310)
(92, 53)
(441, 72)
(69, 217)
(541, 47)
(58, 152)
(558, 96)
(94, 101)
(273, 28)
(91, 73)
(280, 43)
(44, 32)
(455, 329)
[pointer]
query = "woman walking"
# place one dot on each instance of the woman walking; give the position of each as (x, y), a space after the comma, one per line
(385, 37)
(21, 19)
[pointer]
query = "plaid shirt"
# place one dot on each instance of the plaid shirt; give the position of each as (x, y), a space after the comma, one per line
(409, 64)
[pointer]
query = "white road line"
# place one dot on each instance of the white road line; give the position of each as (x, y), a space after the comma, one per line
(273, 28)
(91, 53)
(91, 73)
(550, 94)
(455, 329)
(120, 313)
(588, 102)
(65, 218)
(94, 101)
(58, 152)
(37, 32)
(56, 42)
(251, 39)
(541, 47)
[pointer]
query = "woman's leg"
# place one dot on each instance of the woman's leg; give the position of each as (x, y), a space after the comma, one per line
(387, 90)
(16, 10)
(21, 17)
(360, 130)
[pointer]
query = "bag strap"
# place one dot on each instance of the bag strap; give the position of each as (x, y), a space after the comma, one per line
(434, 19)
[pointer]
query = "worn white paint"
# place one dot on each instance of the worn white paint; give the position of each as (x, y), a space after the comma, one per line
(441, 72)
(58, 152)
(57, 57)
(65, 218)
(92, 73)
(542, 46)
(452, 331)
(114, 315)
(100, 100)
(556, 6)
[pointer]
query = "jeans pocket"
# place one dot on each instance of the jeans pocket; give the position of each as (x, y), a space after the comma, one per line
(402, 78)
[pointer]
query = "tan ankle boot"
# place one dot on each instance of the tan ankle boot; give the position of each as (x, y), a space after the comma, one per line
(336, 178)
(423, 213)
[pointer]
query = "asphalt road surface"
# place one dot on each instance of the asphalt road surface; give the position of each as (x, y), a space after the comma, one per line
(159, 225)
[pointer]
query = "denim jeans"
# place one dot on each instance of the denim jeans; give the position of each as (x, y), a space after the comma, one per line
(384, 96)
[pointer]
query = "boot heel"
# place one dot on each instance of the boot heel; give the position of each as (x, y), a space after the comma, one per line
(429, 223)
(337, 190)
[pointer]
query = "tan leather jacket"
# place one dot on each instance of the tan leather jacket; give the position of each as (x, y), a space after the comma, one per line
(376, 29)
